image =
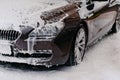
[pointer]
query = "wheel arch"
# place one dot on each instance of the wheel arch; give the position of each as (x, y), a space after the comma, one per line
(86, 27)
(69, 61)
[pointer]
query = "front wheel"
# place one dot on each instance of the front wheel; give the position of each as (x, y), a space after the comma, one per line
(116, 25)
(114, 28)
(79, 46)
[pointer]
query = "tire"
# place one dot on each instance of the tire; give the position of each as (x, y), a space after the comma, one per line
(114, 28)
(79, 46)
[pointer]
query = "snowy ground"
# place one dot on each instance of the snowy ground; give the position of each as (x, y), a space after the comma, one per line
(102, 62)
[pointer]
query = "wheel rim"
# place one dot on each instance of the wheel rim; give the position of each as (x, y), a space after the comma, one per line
(79, 45)
(118, 22)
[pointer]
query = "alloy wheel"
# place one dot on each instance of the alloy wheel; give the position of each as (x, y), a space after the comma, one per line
(80, 44)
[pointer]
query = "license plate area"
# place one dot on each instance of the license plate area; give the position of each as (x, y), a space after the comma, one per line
(5, 49)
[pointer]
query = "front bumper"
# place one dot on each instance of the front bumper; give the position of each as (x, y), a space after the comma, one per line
(29, 61)
(56, 56)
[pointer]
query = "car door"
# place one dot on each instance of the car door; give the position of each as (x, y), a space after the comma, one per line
(103, 19)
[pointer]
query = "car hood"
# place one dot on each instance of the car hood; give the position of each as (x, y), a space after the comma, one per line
(14, 13)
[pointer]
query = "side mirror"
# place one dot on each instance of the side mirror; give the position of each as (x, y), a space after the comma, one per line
(112, 1)
(90, 6)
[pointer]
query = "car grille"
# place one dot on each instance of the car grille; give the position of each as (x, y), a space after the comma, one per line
(9, 35)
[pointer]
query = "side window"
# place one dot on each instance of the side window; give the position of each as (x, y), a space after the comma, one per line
(99, 4)
(91, 6)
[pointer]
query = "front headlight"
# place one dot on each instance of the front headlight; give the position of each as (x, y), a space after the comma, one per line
(48, 30)
(45, 33)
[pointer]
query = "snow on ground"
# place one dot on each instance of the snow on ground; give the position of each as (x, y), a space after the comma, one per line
(102, 62)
